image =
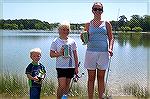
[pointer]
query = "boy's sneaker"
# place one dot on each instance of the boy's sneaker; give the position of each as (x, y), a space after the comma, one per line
(64, 97)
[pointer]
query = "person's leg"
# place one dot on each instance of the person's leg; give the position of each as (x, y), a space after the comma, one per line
(38, 92)
(101, 82)
(68, 80)
(69, 74)
(32, 92)
(35, 92)
(61, 87)
(91, 81)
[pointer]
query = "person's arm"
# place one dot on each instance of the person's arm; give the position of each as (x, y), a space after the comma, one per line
(76, 61)
(32, 78)
(110, 38)
(55, 53)
(86, 28)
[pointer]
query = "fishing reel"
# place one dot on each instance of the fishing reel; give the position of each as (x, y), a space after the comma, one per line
(76, 77)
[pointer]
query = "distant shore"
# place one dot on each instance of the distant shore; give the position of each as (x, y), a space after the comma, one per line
(72, 31)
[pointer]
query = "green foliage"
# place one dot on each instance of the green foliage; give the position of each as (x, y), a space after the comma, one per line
(10, 26)
(16, 85)
(48, 88)
(31, 24)
(135, 21)
(77, 90)
(25, 24)
(13, 85)
(136, 90)
(125, 28)
(137, 29)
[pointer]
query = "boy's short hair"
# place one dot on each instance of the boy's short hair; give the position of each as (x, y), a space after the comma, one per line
(64, 24)
(38, 50)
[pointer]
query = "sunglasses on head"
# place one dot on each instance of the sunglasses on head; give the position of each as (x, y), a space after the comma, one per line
(97, 9)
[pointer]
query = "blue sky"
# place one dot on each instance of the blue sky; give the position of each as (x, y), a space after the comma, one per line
(74, 11)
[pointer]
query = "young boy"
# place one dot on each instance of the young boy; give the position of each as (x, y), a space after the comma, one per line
(35, 72)
(63, 48)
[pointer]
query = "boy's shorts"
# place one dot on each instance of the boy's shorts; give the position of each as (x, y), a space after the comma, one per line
(96, 60)
(65, 72)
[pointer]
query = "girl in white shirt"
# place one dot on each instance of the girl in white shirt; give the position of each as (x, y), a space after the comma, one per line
(66, 66)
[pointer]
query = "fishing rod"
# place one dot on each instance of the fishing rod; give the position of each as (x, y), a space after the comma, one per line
(74, 80)
(106, 95)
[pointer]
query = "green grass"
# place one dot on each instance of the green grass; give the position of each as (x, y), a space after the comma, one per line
(136, 90)
(13, 85)
(48, 88)
(17, 85)
(77, 90)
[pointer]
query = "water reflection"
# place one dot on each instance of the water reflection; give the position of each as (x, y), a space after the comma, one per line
(134, 39)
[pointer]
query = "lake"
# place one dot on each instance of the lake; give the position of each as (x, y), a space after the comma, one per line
(130, 63)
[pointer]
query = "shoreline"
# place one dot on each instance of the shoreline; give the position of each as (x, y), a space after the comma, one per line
(54, 97)
(72, 31)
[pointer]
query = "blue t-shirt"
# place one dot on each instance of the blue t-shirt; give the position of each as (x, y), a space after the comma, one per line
(33, 70)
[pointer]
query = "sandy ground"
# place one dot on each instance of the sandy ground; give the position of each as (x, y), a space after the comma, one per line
(53, 97)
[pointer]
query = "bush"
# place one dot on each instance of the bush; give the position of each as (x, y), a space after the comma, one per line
(137, 29)
(126, 28)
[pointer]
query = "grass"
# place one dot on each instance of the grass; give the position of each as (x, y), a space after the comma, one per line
(77, 90)
(48, 88)
(17, 86)
(136, 90)
(12, 85)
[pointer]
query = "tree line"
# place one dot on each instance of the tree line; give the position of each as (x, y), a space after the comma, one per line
(136, 23)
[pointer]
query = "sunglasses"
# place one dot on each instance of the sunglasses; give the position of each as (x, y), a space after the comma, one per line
(97, 9)
(65, 29)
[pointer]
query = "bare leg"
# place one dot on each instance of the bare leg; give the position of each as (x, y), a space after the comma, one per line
(101, 83)
(91, 80)
(68, 80)
(61, 87)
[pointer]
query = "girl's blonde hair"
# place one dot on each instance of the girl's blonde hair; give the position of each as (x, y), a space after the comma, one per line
(64, 24)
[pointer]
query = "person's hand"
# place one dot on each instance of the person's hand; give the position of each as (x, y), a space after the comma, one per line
(76, 70)
(81, 37)
(35, 78)
(60, 53)
(110, 52)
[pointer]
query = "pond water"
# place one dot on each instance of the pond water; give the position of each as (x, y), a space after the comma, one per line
(130, 63)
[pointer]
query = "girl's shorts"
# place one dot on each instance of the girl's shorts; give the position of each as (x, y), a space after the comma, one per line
(96, 60)
(65, 72)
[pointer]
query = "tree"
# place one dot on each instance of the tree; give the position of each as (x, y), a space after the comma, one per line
(135, 21)
(21, 26)
(122, 21)
(146, 23)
